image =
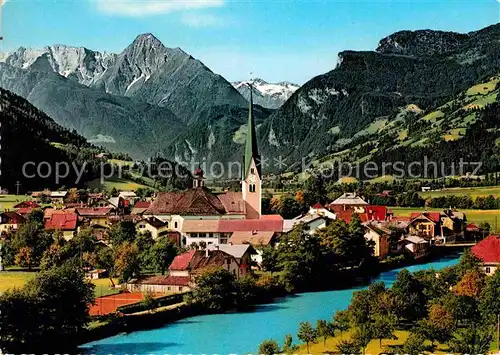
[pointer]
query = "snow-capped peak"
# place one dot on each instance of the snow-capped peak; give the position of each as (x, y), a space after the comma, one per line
(267, 94)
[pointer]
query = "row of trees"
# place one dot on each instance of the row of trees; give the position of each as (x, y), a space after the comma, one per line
(306, 261)
(458, 306)
(48, 313)
(130, 252)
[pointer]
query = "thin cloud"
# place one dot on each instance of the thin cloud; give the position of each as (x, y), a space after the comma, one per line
(202, 20)
(152, 7)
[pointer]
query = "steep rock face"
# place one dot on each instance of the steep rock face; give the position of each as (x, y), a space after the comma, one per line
(131, 126)
(333, 109)
(145, 70)
(218, 136)
(431, 43)
(269, 95)
(421, 43)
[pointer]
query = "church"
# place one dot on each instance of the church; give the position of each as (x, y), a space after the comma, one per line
(200, 215)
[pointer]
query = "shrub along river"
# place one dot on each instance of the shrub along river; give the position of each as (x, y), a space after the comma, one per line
(240, 333)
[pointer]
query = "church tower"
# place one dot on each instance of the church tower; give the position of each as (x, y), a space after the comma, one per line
(252, 173)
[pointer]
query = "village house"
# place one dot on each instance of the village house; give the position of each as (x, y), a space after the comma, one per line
(10, 221)
(426, 224)
(57, 197)
(473, 232)
(129, 196)
(140, 207)
(348, 201)
(379, 235)
(183, 271)
(241, 252)
(63, 222)
(417, 246)
(94, 216)
(26, 207)
(488, 251)
(96, 274)
(257, 239)
(312, 222)
(153, 225)
(94, 197)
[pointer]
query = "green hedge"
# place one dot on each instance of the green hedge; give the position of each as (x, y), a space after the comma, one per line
(160, 301)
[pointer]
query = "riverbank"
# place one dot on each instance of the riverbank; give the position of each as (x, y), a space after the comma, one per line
(209, 333)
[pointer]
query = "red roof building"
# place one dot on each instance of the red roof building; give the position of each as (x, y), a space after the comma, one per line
(192, 262)
(27, 204)
(488, 251)
(66, 223)
(10, 221)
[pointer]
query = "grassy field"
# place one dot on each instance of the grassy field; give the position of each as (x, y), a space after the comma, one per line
(463, 191)
(10, 279)
(118, 183)
(103, 287)
(473, 216)
(330, 347)
(9, 201)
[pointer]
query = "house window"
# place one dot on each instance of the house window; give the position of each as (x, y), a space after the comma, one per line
(488, 270)
(251, 188)
(175, 224)
(168, 288)
(252, 170)
(229, 261)
(180, 288)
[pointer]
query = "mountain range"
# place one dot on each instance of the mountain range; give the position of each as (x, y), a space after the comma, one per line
(152, 99)
(266, 94)
(136, 102)
(342, 108)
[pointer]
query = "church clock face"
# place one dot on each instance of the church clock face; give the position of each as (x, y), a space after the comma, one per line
(252, 178)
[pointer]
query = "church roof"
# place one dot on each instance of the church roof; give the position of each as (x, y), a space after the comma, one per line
(199, 201)
(251, 150)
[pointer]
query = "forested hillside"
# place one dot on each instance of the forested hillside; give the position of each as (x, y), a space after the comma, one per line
(368, 91)
(29, 135)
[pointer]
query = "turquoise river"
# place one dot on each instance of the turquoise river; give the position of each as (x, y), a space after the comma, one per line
(240, 333)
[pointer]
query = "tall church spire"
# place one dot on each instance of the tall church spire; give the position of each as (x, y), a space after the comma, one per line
(251, 150)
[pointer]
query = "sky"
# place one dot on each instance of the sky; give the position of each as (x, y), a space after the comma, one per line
(275, 40)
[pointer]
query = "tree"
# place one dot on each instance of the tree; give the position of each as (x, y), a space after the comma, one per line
(384, 327)
(307, 334)
(47, 313)
(471, 340)
(439, 324)
(341, 321)
(414, 344)
(52, 257)
(348, 347)
(149, 301)
(127, 262)
(409, 291)
(471, 284)
(269, 347)
(362, 335)
(269, 258)
(121, 232)
(288, 347)
(214, 290)
(33, 240)
(106, 261)
(322, 330)
(300, 259)
(490, 302)
(163, 253)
